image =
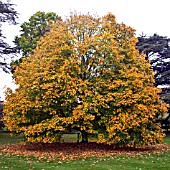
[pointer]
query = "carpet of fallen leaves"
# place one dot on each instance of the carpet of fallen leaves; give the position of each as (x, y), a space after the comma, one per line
(75, 151)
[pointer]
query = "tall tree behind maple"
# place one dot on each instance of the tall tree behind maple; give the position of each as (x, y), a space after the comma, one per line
(7, 14)
(157, 50)
(31, 31)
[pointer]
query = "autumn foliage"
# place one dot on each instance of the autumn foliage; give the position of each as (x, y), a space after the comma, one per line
(86, 74)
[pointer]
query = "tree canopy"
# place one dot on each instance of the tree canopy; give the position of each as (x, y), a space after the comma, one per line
(7, 14)
(86, 74)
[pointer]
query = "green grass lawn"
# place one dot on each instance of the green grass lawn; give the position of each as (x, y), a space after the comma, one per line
(145, 162)
(167, 139)
(116, 162)
(6, 138)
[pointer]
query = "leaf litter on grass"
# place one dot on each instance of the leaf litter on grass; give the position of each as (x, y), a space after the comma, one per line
(66, 152)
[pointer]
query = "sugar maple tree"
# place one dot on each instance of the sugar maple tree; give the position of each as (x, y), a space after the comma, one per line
(86, 74)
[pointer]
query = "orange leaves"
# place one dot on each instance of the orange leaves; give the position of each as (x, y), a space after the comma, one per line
(86, 74)
(78, 113)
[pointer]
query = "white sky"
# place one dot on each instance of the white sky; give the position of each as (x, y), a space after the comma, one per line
(148, 16)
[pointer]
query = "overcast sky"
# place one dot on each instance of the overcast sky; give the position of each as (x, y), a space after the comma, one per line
(147, 16)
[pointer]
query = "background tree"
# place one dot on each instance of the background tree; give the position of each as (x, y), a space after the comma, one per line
(157, 50)
(31, 31)
(7, 14)
(86, 74)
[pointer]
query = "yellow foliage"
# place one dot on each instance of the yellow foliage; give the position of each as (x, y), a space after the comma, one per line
(86, 74)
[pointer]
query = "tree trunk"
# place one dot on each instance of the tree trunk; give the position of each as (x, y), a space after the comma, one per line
(84, 137)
